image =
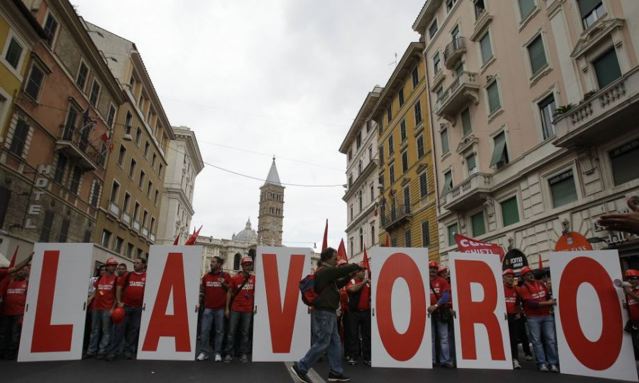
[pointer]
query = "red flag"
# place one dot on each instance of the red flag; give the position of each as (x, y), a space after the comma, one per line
(470, 245)
(13, 258)
(541, 264)
(388, 241)
(191, 240)
(365, 261)
(325, 241)
(341, 251)
(177, 240)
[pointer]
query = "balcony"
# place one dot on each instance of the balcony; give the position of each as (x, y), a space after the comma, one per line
(126, 218)
(396, 217)
(360, 179)
(76, 146)
(454, 52)
(145, 232)
(606, 114)
(136, 225)
(152, 237)
(114, 209)
(463, 90)
(470, 193)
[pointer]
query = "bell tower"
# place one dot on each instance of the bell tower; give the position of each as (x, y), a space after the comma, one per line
(271, 216)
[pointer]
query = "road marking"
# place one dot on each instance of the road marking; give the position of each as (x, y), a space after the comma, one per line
(312, 374)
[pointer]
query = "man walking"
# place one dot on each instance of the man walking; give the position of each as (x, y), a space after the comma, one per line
(214, 287)
(324, 319)
(239, 310)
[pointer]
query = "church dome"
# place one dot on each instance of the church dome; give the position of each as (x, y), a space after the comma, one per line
(247, 235)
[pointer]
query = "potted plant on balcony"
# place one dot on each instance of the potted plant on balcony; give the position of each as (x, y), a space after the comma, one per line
(563, 109)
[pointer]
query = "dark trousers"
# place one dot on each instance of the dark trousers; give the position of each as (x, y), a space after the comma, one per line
(359, 327)
(517, 333)
(125, 333)
(10, 328)
(241, 320)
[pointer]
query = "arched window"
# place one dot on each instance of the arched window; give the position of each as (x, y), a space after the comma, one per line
(236, 261)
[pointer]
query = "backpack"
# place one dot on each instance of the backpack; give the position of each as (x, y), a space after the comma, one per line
(307, 290)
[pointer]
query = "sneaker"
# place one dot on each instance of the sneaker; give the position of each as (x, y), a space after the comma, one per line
(244, 358)
(218, 358)
(516, 364)
(447, 365)
(128, 356)
(529, 358)
(228, 358)
(302, 377)
(351, 360)
(334, 377)
(554, 368)
(543, 368)
(89, 356)
(202, 356)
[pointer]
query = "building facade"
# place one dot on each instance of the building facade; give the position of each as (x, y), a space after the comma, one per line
(360, 148)
(184, 164)
(407, 202)
(242, 244)
(53, 152)
(270, 220)
(130, 205)
(530, 111)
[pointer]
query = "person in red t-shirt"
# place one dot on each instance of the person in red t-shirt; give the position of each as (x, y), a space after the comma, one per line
(359, 318)
(516, 319)
(129, 293)
(239, 310)
(215, 285)
(541, 323)
(632, 303)
(103, 303)
(440, 313)
(13, 294)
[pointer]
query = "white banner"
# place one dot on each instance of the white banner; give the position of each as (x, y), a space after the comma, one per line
(589, 315)
(400, 331)
(481, 326)
(282, 325)
(53, 327)
(169, 318)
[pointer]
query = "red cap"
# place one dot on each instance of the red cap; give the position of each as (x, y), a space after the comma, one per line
(433, 265)
(112, 261)
(246, 260)
(525, 270)
(508, 272)
(631, 273)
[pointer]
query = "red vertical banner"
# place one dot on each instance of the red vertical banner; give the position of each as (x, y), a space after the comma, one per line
(589, 315)
(400, 329)
(479, 302)
(53, 324)
(282, 324)
(168, 328)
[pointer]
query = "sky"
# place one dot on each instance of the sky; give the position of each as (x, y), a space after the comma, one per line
(257, 79)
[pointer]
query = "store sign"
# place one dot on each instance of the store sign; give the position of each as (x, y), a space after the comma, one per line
(40, 186)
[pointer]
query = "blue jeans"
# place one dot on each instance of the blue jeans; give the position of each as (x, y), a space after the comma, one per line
(546, 348)
(100, 324)
(326, 335)
(212, 318)
(440, 335)
(125, 333)
(243, 321)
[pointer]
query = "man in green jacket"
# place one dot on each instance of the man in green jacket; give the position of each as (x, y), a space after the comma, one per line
(328, 280)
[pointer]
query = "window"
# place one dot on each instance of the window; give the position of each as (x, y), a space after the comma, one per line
(389, 112)
(111, 116)
(432, 29)
(351, 209)
(153, 161)
(127, 200)
(118, 244)
(359, 168)
(64, 230)
(127, 122)
(562, 188)
(452, 230)
(75, 180)
(404, 161)
(418, 113)
(439, 92)
(450, 4)
(132, 168)
(360, 200)
(50, 28)
(121, 155)
(155, 199)
(14, 53)
(407, 238)
(400, 95)
(607, 68)
(141, 180)
(95, 193)
(83, 73)
(509, 211)
(138, 136)
(465, 122)
(591, 11)
(546, 112)
(129, 250)
(500, 153)
(494, 103)
(370, 153)
(471, 164)
(136, 210)
(373, 239)
(620, 157)
(358, 141)
(537, 55)
(425, 234)
(146, 149)
(115, 189)
(19, 140)
(60, 167)
(144, 217)
(436, 63)
(420, 146)
(391, 173)
(402, 130)
(480, 8)
(444, 138)
(106, 238)
(47, 225)
(149, 188)
(407, 198)
(526, 7)
(478, 224)
(448, 182)
(152, 225)
(415, 77)
(5, 197)
(95, 93)
(485, 48)
(34, 82)
(361, 239)
(423, 185)
(380, 152)
(349, 155)
(391, 148)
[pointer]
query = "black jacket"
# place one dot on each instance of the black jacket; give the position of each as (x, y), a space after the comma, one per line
(327, 282)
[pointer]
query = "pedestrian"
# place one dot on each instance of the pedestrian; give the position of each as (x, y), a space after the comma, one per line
(239, 310)
(632, 303)
(324, 319)
(13, 297)
(122, 270)
(215, 285)
(441, 316)
(516, 319)
(359, 320)
(103, 303)
(129, 295)
(541, 323)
